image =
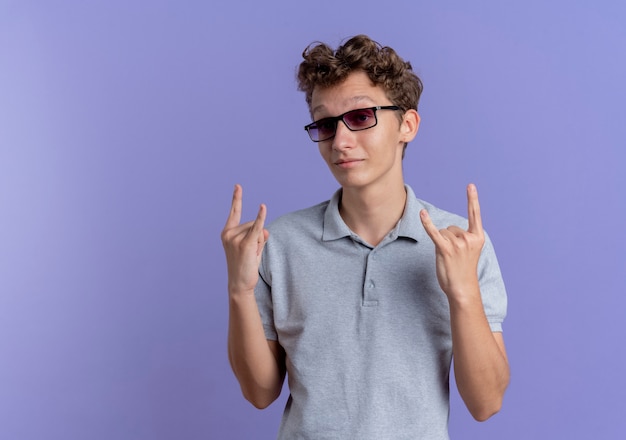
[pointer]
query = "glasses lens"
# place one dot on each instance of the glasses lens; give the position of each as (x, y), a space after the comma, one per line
(323, 129)
(360, 119)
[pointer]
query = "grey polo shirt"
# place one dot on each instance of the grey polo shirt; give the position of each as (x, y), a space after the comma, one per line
(366, 330)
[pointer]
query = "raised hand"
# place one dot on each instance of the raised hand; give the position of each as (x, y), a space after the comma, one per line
(243, 245)
(457, 251)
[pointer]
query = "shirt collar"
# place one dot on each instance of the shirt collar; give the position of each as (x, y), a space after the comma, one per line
(334, 226)
(409, 226)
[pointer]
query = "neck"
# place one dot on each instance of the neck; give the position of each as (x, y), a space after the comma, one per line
(373, 212)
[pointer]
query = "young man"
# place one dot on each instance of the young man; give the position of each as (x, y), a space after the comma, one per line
(365, 299)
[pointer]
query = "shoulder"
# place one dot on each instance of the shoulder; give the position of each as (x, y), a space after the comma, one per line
(443, 219)
(290, 235)
(299, 221)
(440, 217)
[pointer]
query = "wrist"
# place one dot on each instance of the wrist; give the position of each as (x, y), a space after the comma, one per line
(465, 296)
(235, 292)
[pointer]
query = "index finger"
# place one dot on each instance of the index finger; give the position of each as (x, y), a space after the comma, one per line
(234, 217)
(473, 210)
(430, 227)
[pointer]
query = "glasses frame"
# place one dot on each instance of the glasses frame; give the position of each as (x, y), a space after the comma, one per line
(336, 120)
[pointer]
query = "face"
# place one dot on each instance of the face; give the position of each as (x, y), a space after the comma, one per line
(368, 158)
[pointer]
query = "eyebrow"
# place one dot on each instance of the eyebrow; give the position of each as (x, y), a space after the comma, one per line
(354, 99)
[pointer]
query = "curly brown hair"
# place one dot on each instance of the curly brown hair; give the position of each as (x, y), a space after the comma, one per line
(323, 67)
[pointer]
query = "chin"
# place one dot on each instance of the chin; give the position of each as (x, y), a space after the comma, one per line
(351, 183)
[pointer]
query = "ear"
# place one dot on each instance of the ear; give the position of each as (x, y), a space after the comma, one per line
(410, 125)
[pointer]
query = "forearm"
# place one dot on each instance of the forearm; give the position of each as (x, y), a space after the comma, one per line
(480, 363)
(259, 372)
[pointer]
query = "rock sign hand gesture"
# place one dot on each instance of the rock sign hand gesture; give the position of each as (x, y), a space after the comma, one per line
(243, 245)
(457, 251)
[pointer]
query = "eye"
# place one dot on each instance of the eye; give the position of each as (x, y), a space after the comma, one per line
(362, 118)
(326, 125)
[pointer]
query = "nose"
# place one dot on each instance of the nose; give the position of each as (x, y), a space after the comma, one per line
(344, 137)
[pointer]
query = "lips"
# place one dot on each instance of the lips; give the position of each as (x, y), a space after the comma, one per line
(347, 163)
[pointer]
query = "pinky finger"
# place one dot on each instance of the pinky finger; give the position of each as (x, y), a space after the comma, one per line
(259, 222)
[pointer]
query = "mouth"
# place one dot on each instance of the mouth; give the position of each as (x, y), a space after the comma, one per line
(347, 163)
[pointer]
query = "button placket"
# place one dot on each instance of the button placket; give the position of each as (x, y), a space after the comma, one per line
(369, 288)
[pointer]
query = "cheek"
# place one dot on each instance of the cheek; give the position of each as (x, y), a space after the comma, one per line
(324, 151)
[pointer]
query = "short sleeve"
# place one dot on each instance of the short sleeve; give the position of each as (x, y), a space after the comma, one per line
(492, 287)
(263, 295)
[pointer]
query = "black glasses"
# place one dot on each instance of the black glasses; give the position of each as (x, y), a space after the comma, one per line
(355, 120)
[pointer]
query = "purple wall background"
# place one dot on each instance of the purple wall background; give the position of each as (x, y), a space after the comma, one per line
(124, 126)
